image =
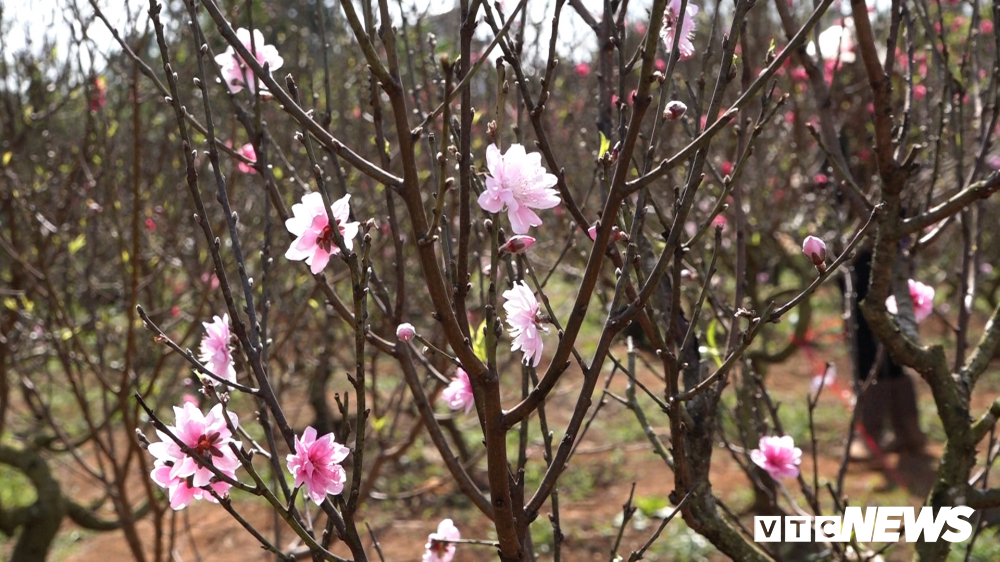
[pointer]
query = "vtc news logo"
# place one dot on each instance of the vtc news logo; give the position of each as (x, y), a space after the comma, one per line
(882, 524)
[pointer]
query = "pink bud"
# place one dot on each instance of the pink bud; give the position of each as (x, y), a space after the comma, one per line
(518, 244)
(675, 110)
(815, 249)
(592, 232)
(405, 331)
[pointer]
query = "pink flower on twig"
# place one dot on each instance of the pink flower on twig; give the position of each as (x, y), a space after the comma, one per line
(438, 551)
(525, 324)
(247, 151)
(209, 438)
(216, 354)
(519, 182)
(314, 240)
(234, 69)
(778, 456)
(923, 300)
(458, 394)
(316, 465)
(671, 16)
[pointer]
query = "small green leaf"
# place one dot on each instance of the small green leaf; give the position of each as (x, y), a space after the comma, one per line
(77, 243)
(605, 145)
(479, 341)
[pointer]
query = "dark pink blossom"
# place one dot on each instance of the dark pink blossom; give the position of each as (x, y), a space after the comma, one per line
(778, 456)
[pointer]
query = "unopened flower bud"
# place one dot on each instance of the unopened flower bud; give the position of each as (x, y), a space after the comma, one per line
(815, 250)
(675, 110)
(405, 331)
(518, 244)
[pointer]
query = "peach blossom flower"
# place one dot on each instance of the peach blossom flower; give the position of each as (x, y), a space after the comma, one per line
(235, 71)
(670, 19)
(525, 324)
(778, 456)
(458, 394)
(316, 465)
(216, 353)
(519, 182)
(923, 300)
(314, 240)
(209, 438)
(247, 151)
(437, 551)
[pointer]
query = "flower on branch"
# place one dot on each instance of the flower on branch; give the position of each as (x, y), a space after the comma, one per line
(247, 151)
(234, 69)
(670, 19)
(525, 322)
(438, 551)
(316, 464)
(923, 300)
(519, 182)
(216, 353)
(314, 240)
(778, 456)
(209, 438)
(458, 394)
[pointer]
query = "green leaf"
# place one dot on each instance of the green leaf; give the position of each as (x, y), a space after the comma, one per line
(479, 341)
(77, 243)
(605, 145)
(711, 346)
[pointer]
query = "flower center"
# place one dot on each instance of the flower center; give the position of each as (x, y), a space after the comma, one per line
(325, 239)
(205, 447)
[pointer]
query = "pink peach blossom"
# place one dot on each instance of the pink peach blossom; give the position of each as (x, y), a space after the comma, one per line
(247, 151)
(458, 394)
(234, 69)
(670, 19)
(209, 438)
(316, 465)
(437, 551)
(778, 456)
(923, 300)
(519, 182)
(525, 325)
(216, 353)
(314, 240)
